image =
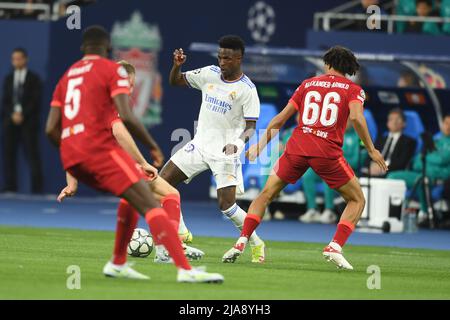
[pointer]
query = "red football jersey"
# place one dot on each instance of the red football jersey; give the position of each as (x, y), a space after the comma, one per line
(84, 95)
(323, 106)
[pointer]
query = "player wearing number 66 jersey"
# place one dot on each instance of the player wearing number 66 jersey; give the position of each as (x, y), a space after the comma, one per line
(324, 104)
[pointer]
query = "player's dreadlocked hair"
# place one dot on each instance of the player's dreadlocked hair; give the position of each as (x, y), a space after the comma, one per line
(342, 60)
(232, 42)
(95, 36)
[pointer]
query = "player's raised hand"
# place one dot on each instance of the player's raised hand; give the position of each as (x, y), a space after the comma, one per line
(179, 57)
(378, 158)
(253, 152)
(150, 170)
(157, 156)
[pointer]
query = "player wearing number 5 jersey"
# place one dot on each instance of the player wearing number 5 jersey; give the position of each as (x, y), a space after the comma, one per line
(79, 124)
(324, 104)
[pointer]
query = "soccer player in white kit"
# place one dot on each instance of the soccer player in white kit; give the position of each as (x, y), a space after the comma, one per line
(227, 120)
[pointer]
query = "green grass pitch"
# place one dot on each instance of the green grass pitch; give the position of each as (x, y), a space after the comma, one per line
(34, 261)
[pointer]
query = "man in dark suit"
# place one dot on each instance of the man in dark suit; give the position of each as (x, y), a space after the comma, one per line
(397, 148)
(20, 121)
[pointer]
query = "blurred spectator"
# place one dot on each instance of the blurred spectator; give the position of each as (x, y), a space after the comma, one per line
(20, 121)
(408, 79)
(310, 180)
(31, 13)
(437, 166)
(424, 8)
(397, 148)
(28, 12)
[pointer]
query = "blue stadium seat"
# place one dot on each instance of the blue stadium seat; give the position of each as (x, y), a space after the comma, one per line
(252, 171)
(437, 136)
(292, 188)
(371, 124)
(414, 127)
(268, 111)
(252, 176)
(436, 192)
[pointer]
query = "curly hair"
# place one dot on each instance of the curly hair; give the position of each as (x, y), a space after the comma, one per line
(342, 60)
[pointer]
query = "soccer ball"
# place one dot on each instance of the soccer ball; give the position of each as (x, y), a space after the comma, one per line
(141, 244)
(261, 21)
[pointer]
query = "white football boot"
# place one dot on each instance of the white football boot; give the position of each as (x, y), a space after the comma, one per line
(333, 253)
(311, 216)
(192, 253)
(122, 271)
(162, 255)
(238, 249)
(198, 275)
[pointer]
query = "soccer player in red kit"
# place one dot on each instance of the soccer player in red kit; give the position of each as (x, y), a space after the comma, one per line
(324, 104)
(86, 97)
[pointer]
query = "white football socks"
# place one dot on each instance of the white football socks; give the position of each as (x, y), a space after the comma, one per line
(237, 216)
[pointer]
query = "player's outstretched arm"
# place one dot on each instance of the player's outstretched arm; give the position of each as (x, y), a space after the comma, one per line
(126, 141)
(53, 126)
(360, 125)
(134, 126)
(175, 77)
(272, 130)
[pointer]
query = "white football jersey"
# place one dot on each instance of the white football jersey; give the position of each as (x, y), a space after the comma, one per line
(226, 105)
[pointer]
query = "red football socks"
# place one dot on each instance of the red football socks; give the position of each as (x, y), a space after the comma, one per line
(164, 233)
(251, 222)
(343, 231)
(127, 218)
(171, 203)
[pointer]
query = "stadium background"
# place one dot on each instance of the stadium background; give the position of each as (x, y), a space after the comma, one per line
(27, 223)
(52, 48)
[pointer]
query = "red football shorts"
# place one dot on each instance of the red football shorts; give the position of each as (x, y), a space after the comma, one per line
(114, 171)
(335, 172)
